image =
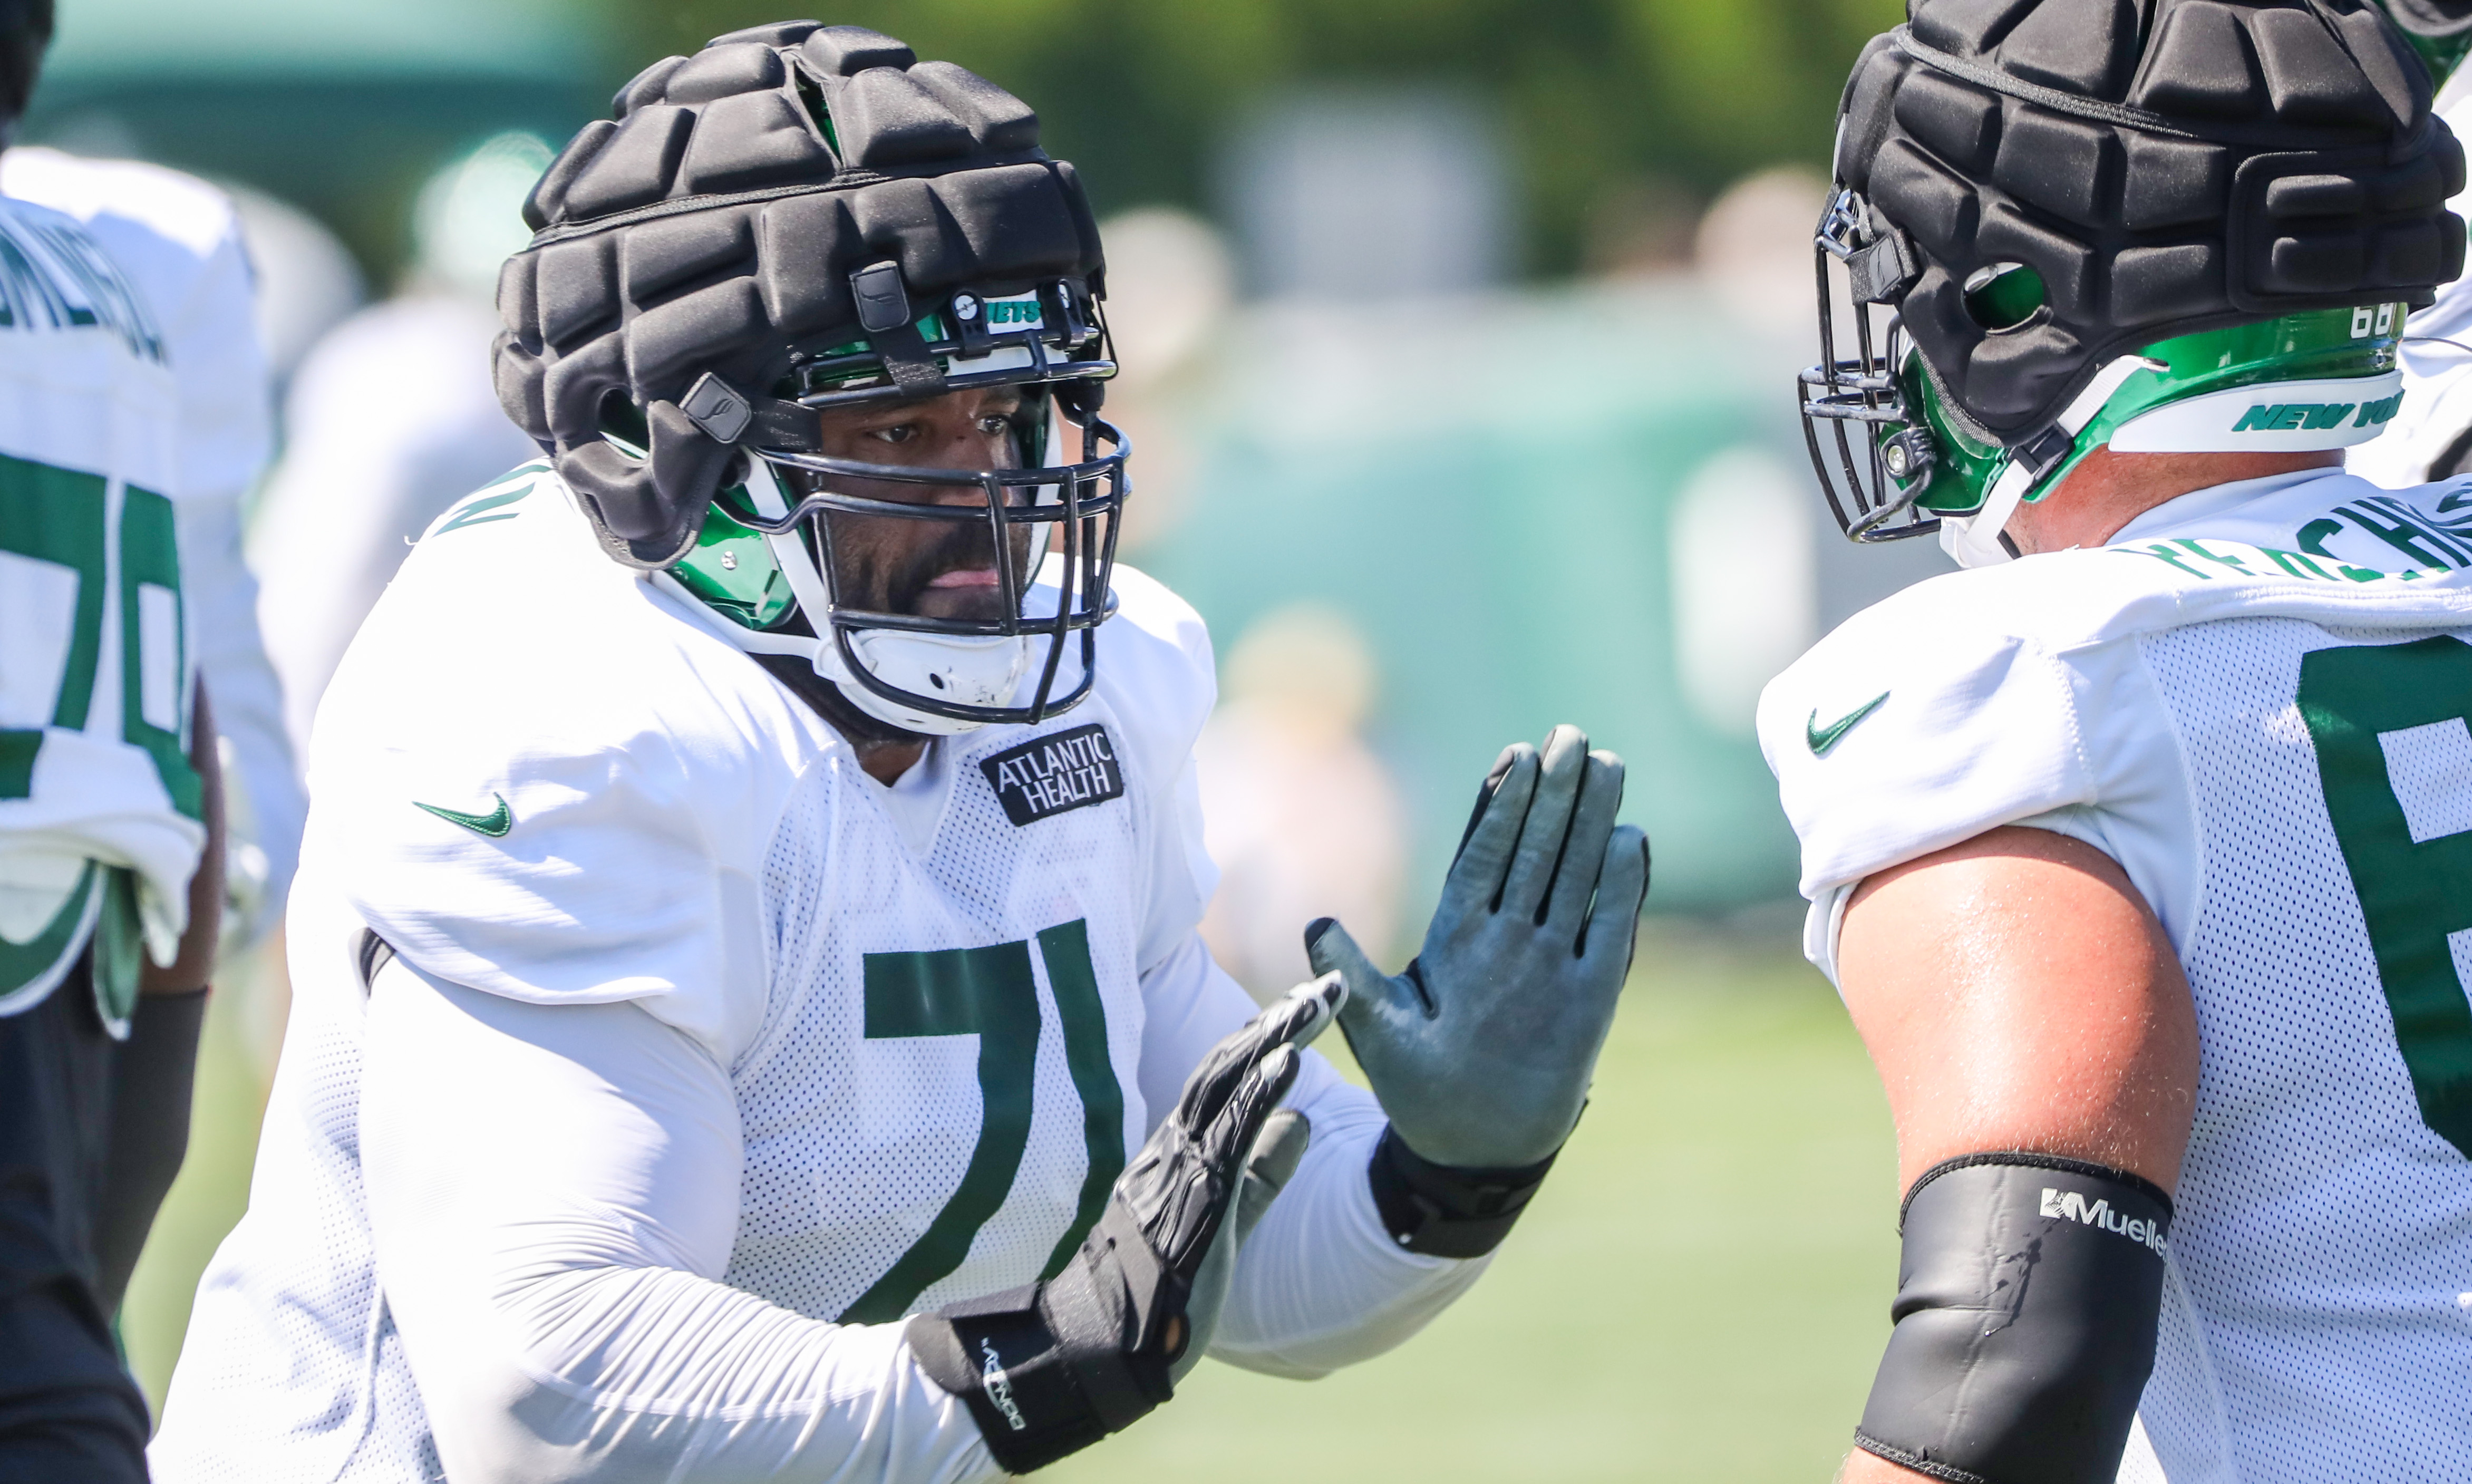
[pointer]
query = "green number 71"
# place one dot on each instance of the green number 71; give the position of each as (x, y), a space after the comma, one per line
(989, 992)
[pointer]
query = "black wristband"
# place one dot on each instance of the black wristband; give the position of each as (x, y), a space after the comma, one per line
(1436, 1211)
(1051, 1368)
(1006, 1366)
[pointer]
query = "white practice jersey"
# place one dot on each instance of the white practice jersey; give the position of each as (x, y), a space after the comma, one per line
(940, 1015)
(2255, 700)
(95, 661)
(178, 242)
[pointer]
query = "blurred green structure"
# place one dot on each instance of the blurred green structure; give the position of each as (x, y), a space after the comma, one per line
(341, 108)
(1489, 489)
(1611, 108)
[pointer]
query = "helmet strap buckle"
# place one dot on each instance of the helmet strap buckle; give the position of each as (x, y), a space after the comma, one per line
(719, 410)
(1880, 272)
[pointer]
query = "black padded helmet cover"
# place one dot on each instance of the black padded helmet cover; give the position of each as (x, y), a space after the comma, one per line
(2165, 166)
(712, 224)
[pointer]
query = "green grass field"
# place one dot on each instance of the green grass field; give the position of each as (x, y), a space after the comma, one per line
(1700, 1292)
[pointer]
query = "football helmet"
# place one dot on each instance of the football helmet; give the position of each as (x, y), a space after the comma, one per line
(805, 218)
(2048, 224)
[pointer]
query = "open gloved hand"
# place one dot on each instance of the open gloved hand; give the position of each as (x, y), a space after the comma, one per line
(1053, 1367)
(1482, 1051)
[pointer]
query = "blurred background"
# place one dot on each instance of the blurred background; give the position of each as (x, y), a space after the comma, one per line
(1458, 339)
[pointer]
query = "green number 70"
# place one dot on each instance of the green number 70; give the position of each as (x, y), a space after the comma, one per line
(54, 584)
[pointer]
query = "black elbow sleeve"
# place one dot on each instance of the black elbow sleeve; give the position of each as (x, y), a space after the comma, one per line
(2025, 1310)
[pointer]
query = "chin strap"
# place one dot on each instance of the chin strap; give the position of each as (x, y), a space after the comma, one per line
(1982, 539)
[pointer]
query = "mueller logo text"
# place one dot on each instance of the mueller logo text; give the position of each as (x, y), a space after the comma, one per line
(2069, 1206)
(1068, 770)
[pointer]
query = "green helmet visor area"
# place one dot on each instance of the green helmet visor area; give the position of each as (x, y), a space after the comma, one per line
(732, 570)
(2439, 32)
(2319, 380)
(1053, 335)
(2442, 55)
(733, 567)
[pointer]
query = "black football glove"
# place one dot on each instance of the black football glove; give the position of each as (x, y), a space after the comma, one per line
(1053, 1368)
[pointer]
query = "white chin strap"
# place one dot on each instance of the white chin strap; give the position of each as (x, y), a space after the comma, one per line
(974, 670)
(981, 670)
(1974, 540)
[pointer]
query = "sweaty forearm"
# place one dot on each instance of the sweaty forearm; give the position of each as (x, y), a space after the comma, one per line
(156, 1068)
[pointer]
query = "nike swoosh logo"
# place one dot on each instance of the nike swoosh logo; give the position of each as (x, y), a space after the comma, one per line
(495, 824)
(1821, 738)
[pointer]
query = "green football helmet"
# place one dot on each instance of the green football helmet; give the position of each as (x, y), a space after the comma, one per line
(2320, 379)
(2013, 273)
(763, 557)
(849, 227)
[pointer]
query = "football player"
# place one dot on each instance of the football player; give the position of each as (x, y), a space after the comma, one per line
(111, 831)
(749, 1018)
(179, 239)
(2141, 851)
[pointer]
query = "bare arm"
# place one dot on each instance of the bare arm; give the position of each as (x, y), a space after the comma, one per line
(2015, 992)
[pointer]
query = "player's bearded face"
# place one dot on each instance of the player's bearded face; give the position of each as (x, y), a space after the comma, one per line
(931, 569)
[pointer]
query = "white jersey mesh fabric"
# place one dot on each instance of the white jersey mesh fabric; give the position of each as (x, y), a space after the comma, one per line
(859, 1151)
(861, 1148)
(97, 656)
(2323, 1236)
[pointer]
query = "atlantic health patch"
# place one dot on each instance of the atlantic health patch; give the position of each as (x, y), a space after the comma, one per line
(1067, 770)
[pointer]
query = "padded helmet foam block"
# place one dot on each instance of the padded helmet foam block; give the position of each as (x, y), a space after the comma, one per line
(712, 223)
(2165, 166)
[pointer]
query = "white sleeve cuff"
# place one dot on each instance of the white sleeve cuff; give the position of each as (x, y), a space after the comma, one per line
(1322, 1283)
